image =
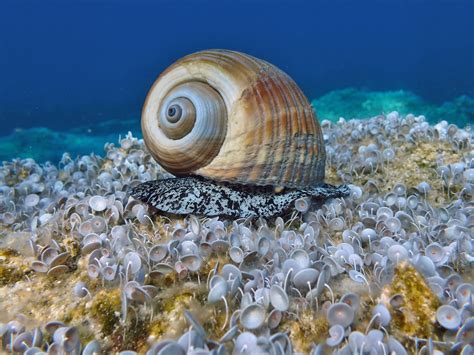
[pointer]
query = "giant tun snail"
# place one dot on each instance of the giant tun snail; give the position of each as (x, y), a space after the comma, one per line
(238, 134)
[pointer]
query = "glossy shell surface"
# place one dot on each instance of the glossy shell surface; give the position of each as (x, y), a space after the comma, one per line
(231, 117)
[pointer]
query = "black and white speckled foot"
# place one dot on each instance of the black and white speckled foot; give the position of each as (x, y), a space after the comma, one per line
(196, 195)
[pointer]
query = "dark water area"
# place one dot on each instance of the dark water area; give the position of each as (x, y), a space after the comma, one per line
(75, 63)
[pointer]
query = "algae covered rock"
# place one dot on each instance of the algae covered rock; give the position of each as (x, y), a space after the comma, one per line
(416, 313)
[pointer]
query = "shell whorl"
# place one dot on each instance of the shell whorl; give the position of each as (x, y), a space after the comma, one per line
(242, 120)
(189, 142)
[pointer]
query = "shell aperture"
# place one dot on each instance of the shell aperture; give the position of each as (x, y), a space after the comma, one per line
(198, 195)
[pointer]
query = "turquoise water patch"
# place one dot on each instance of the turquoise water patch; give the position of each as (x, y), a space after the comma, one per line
(353, 103)
(43, 144)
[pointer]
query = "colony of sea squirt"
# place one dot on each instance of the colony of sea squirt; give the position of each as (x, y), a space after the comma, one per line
(83, 264)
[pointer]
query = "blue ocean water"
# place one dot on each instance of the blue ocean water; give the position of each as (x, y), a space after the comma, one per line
(75, 74)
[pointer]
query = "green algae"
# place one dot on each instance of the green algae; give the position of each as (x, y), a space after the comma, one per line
(105, 308)
(134, 337)
(72, 247)
(417, 317)
(307, 329)
(8, 253)
(73, 315)
(10, 270)
(9, 275)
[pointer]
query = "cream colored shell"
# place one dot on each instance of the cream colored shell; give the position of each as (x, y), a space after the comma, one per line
(231, 117)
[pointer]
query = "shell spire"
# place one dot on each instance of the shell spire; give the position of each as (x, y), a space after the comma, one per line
(245, 122)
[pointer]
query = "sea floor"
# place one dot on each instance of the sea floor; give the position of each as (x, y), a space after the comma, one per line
(85, 268)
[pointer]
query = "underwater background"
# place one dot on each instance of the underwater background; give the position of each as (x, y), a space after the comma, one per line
(366, 249)
(74, 74)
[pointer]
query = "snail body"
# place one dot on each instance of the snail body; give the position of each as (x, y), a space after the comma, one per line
(234, 126)
(197, 195)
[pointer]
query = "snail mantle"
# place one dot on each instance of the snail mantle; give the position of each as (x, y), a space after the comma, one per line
(234, 130)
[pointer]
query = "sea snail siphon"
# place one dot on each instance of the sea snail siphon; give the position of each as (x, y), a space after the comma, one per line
(234, 130)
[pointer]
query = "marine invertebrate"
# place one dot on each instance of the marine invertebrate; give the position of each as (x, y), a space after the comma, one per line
(244, 131)
(448, 316)
(336, 334)
(150, 269)
(252, 316)
(340, 313)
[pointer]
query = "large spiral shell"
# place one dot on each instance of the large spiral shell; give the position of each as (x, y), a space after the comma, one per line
(231, 117)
